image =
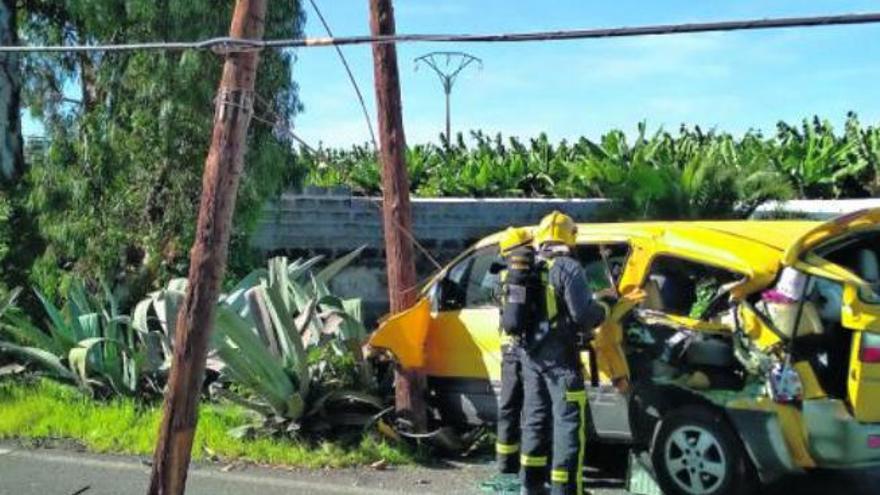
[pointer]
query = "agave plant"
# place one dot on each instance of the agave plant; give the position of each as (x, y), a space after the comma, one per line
(285, 347)
(87, 343)
(296, 349)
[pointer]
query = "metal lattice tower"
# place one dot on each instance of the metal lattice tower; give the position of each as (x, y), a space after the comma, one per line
(447, 66)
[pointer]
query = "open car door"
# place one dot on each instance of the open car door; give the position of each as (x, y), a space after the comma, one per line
(452, 336)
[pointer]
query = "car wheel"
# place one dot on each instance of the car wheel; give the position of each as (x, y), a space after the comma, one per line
(696, 453)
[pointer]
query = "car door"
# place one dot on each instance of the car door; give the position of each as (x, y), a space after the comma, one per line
(463, 340)
(462, 345)
(604, 264)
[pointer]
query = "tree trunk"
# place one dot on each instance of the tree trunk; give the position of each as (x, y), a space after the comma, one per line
(396, 213)
(11, 158)
(223, 169)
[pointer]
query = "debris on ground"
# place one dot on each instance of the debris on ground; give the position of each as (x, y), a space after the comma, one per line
(505, 484)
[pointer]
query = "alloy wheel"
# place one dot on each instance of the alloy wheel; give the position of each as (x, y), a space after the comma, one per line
(695, 460)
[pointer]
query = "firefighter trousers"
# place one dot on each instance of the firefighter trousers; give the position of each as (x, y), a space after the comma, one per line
(555, 392)
(509, 410)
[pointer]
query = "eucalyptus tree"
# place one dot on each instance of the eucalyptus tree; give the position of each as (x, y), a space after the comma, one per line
(11, 161)
(116, 192)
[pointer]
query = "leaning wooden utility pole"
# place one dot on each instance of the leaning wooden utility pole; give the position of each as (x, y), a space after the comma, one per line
(223, 169)
(409, 384)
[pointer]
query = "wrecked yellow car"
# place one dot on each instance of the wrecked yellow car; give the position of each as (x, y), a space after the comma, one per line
(754, 353)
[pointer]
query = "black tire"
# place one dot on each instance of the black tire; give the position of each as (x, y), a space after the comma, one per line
(697, 453)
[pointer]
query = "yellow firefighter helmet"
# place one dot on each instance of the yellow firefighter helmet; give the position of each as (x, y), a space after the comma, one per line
(557, 227)
(514, 237)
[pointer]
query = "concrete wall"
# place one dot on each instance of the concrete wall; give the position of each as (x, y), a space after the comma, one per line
(333, 223)
(815, 209)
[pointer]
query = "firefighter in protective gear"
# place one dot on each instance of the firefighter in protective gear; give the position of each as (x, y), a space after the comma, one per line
(552, 373)
(518, 278)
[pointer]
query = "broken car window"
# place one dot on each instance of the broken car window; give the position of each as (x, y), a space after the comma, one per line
(685, 288)
(470, 282)
(596, 268)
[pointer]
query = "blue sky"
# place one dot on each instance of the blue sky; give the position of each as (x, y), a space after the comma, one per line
(730, 81)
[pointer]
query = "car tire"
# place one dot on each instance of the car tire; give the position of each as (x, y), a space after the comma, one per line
(696, 452)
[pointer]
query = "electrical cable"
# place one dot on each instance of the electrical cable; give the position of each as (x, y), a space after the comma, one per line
(227, 45)
(357, 89)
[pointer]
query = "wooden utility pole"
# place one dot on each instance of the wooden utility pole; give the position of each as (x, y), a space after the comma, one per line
(409, 385)
(223, 169)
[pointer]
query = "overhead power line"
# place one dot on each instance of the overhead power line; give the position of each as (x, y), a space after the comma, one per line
(227, 44)
(351, 79)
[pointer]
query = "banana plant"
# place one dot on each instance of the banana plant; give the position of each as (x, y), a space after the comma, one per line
(815, 159)
(865, 163)
(693, 173)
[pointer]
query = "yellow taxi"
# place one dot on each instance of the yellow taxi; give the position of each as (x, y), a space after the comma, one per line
(754, 351)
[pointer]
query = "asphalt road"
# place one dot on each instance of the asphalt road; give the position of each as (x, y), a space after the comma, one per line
(60, 472)
(26, 471)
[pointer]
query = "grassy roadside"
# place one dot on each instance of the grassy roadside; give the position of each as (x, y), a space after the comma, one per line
(47, 410)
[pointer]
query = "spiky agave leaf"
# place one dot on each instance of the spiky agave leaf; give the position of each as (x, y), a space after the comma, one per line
(90, 359)
(250, 362)
(235, 298)
(298, 268)
(259, 313)
(307, 326)
(41, 357)
(24, 332)
(164, 304)
(333, 269)
(345, 324)
(294, 353)
(78, 299)
(60, 329)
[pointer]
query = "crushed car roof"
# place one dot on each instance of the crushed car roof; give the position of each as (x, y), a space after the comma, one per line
(754, 248)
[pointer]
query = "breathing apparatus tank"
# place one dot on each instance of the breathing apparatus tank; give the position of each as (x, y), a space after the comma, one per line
(521, 288)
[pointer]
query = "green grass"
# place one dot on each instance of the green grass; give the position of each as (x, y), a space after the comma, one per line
(47, 410)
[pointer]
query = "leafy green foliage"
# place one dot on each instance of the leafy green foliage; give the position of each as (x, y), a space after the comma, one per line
(19, 240)
(688, 175)
(116, 193)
